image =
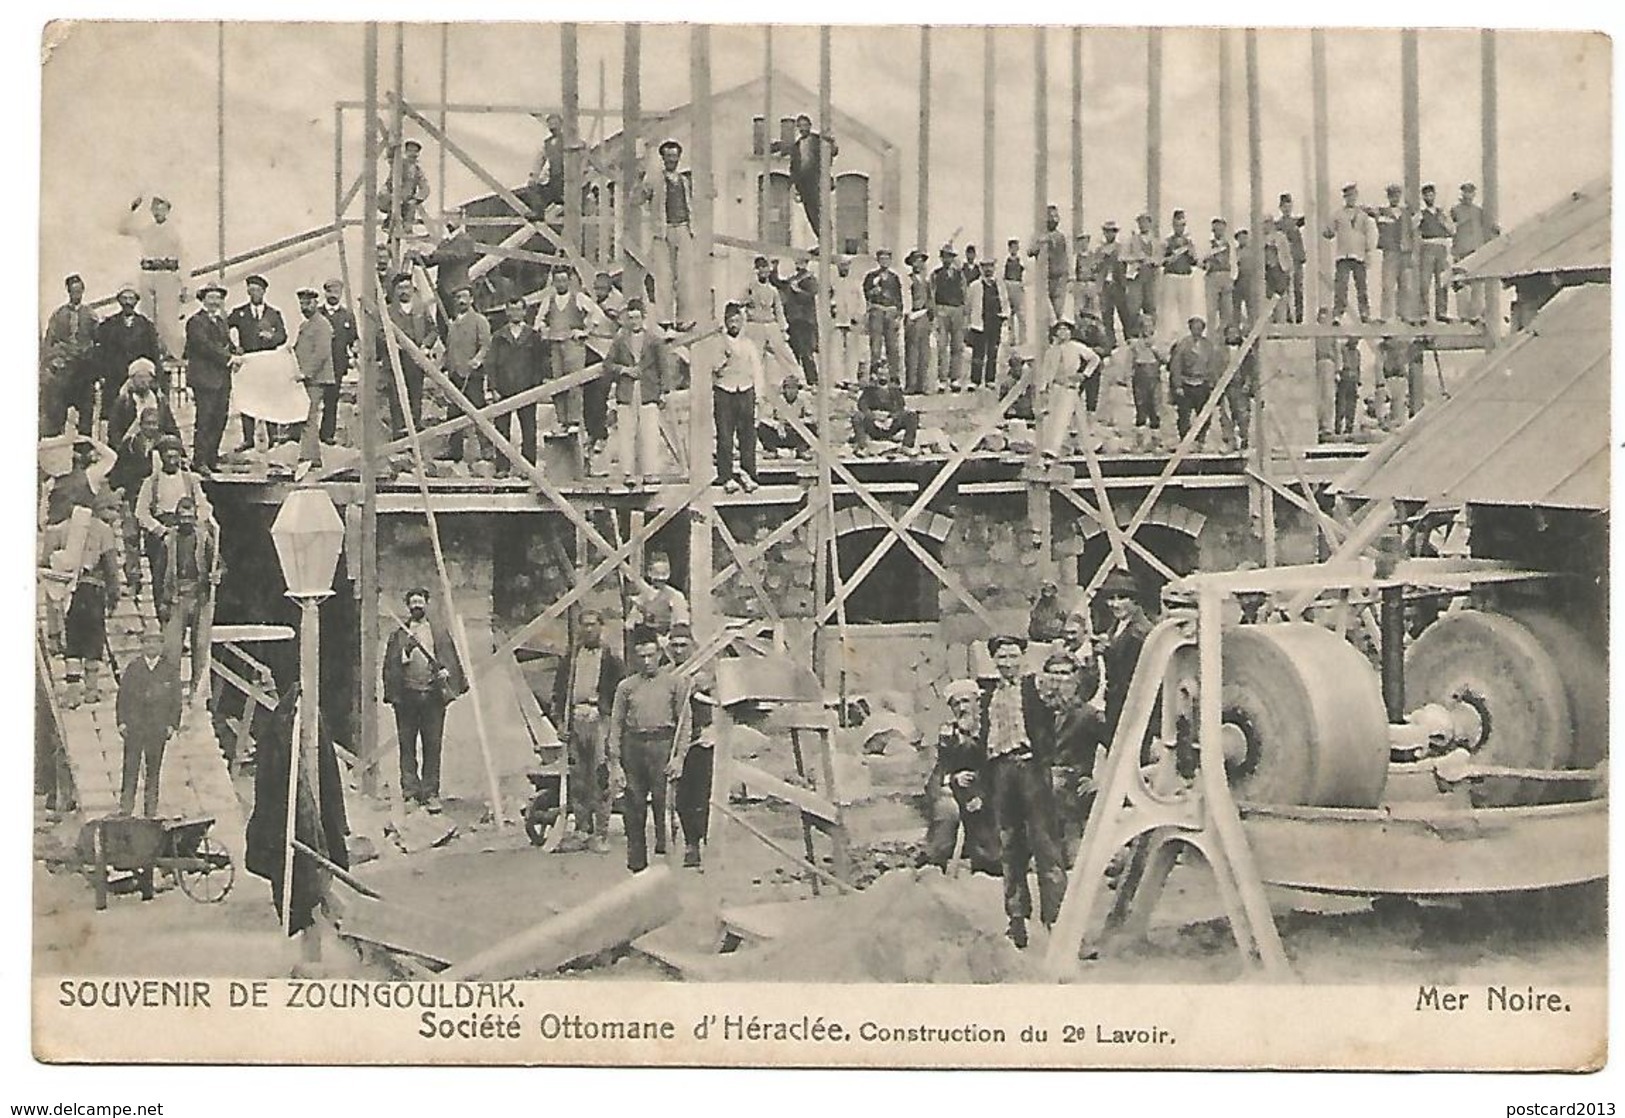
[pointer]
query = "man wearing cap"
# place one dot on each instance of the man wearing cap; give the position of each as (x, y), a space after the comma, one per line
(810, 157)
(883, 309)
(883, 417)
(918, 373)
(799, 294)
(468, 344)
(643, 721)
(547, 173)
(586, 695)
(66, 359)
(345, 337)
(418, 324)
(410, 188)
(1049, 249)
(664, 607)
(641, 367)
(1120, 645)
(1015, 290)
(957, 790)
(1291, 227)
(775, 433)
(1071, 735)
(79, 486)
(1219, 278)
(846, 295)
(692, 762)
(566, 316)
(162, 285)
(1141, 257)
(1436, 232)
(1012, 715)
(139, 394)
(256, 327)
(1193, 364)
(423, 675)
(1113, 272)
(1353, 236)
(948, 314)
(516, 362)
(1182, 292)
(147, 714)
(313, 350)
(452, 259)
(1473, 231)
(209, 365)
(764, 320)
(1396, 239)
(986, 310)
(121, 339)
(669, 196)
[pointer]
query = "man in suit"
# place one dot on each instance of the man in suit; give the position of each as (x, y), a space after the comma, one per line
(256, 327)
(1120, 645)
(418, 324)
(987, 312)
(120, 339)
(883, 309)
(209, 365)
(451, 260)
(640, 364)
(345, 336)
(546, 181)
(313, 349)
(67, 356)
(422, 676)
(1073, 732)
(1013, 721)
(182, 592)
(585, 696)
(810, 158)
(517, 360)
(468, 344)
(148, 712)
(799, 295)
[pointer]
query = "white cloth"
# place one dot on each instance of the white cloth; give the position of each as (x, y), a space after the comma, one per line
(267, 386)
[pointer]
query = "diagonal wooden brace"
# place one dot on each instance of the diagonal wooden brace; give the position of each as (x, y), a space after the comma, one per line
(1128, 542)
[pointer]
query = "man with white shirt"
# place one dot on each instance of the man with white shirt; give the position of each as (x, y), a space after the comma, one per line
(640, 364)
(468, 341)
(669, 194)
(1436, 231)
(163, 268)
(774, 432)
(662, 605)
(564, 319)
(850, 312)
(313, 350)
(256, 327)
(158, 508)
(736, 381)
(422, 676)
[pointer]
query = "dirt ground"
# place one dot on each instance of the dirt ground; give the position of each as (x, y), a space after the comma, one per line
(493, 883)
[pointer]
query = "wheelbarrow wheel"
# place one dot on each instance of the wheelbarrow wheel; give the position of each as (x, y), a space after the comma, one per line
(210, 874)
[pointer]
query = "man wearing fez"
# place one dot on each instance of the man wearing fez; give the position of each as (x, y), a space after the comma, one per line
(422, 676)
(256, 327)
(1013, 718)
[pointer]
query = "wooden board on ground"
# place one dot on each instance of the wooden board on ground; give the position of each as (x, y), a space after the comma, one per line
(763, 923)
(396, 928)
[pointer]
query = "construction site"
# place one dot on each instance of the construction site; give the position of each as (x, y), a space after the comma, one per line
(1364, 738)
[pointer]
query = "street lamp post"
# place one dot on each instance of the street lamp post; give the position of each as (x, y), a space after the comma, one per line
(308, 535)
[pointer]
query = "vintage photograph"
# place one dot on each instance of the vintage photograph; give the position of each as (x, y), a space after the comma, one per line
(1109, 517)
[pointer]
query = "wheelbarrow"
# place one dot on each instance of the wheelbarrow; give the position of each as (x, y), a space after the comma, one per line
(181, 848)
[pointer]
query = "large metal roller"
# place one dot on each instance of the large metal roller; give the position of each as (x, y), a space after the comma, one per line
(1583, 667)
(1309, 708)
(1498, 664)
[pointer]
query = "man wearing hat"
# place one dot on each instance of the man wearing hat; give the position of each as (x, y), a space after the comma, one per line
(468, 344)
(810, 157)
(764, 321)
(139, 394)
(847, 296)
(313, 350)
(345, 337)
(546, 182)
(1141, 260)
(947, 301)
(1012, 718)
(1396, 238)
(1219, 275)
(515, 362)
(692, 761)
(162, 284)
(410, 188)
(1436, 233)
(453, 257)
(1193, 365)
(1120, 644)
(121, 339)
(565, 317)
(883, 310)
(586, 693)
(1182, 285)
(210, 361)
(1353, 236)
(644, 717)
(1113, 272)
(148, 713)
(182, 597)
(800, 296)
(66, 359)
(957, 792)
(918, 373)
(986, 312)
(256, 327)
(669, 196)
(1049, 248)
(1291, 227)
(1473, 231)
(157, 511)
(423, 674)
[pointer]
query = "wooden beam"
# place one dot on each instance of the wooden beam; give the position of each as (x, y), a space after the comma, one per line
(824, 536)
(1255, 176)
(1372, 523)
(220, 146)
(397, 127)
(1410, 103)
(802, 799)
(1490, 149)
(570, 82)
(989, 144)
(445, 124)
(1153, 125)
(1077, 132)
(773, 844)
(367, 411)
(1043, 315)
(1227, 116)
(922, 197)
(702, 278)
(339, 205)
(762, 546)
(1107, 521)
(627, 196)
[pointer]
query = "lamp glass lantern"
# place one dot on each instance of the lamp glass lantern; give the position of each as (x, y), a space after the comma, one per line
(309, 535)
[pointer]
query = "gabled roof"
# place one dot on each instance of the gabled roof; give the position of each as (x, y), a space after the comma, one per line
(1529, 428)
(789, 98)
(1572, 236)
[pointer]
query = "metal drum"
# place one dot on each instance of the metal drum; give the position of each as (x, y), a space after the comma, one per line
(1308, 708)
(1583, 667)
(1498, 664)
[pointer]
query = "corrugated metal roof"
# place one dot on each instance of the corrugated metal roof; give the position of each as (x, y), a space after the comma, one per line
(1529, 428)
(1572, 236)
